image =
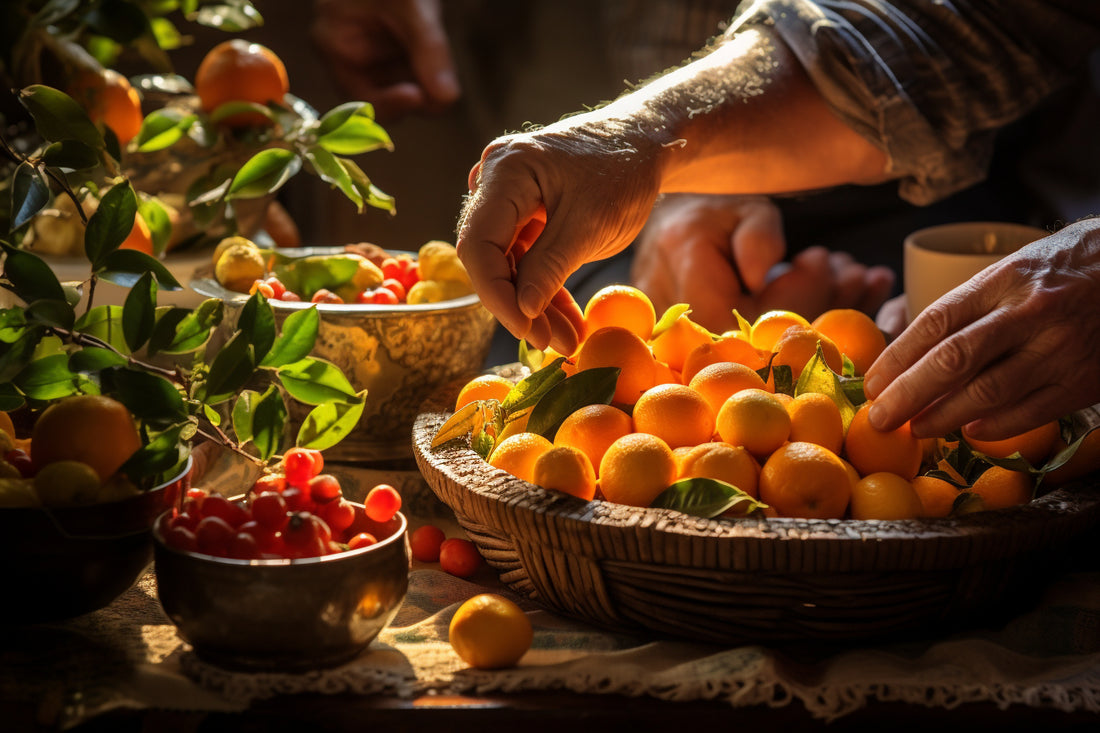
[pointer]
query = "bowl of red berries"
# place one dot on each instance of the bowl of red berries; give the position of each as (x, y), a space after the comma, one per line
(400, 325)
(288, 577)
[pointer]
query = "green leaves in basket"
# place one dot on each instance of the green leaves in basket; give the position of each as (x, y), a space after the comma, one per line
(708, 498)
(817, 376)
(307, 275)
(588, 387)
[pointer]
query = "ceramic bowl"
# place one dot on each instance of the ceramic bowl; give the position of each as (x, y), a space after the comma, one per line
(400, 354)
(285, 615)
(66, 562)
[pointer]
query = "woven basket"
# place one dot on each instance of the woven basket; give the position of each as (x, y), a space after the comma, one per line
(735, 581)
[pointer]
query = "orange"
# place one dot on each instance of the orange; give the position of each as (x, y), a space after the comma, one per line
(93, 429)
(1085, 459)
(871, 451)
(111, 100)
(725, 349)
(614, 346)
(1035, 445)
(676, 414)
(1001, 488)
(620, 305)
(805, 480)
(815, 418)
(566, 469)
(716, 382)
(674, 344)
(517, 454)
(797, 346)
(755, 419)
(483, 387)
(489, 631)
(239, 71)
(592, 429)
(885, 495)
(937, 497)
(665, 374)
(636, 468)
(767, 329)
(140, 237)
(721, 461)
(854, 333)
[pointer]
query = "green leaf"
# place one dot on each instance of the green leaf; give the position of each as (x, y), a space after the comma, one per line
(706, 497)
(529, 390)
(187, 331)
(58, 117)
(49, 378)
(358, 134)
(10, 397)
(464, 422)
(15, 358)
(371, 194)
(239, 107)
(330, 170)
(111, 223)
(315, 381)
(264, 419)
(95, 359)
(149, 396)
(212, 415)
(299, 334)
(162, 453)
(30, 277)
(530, 357)
(160, 224)
(104, 322)
(163, 129)
(588, 387)
(125, 266)
(818, 376)
(13, 324)
(231, 369)
(670, 317)
(329, 423)
(264, 173)
(70, 154)
(53, 313)
(139, 312)
(119, 20)
(29, 194)
(243, 409)
(258, 321)
(337, 116)
(232, 17)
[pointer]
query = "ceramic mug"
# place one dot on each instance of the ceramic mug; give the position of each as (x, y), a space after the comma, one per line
(940, 258)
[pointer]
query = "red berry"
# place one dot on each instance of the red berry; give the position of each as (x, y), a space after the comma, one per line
(306, 535)
(269, 510)
(180, 538)
(379, 296)
(382, 503)
(324, 295)
(363, 539)
(291, 297)
(324, 488)
(391, 269)
(338, 515)
(302, 464)
(298, 500)
(278, 290)
(213, 536)
(269, 482)
(396, 287)
(186, 520)
(425, 543)
(244, 546)
(263, 288)
(459, 557)
(267, 539)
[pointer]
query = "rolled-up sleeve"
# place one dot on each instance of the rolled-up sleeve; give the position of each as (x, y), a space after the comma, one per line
(930, 81)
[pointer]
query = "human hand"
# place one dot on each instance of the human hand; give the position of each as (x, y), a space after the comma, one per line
(542, 204)
(720, 253)
(1009, 350)
(391, 53)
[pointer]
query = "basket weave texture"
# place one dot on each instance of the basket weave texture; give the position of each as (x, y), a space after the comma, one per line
(735, 581)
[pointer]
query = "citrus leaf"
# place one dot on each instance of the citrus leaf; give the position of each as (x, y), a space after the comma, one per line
(482, 444)
(13, 324)
(104, 322)
(181, 330)
(71, 155)
(461, 424)
(111, 223)
(529, 390)
(162, 453)
(29, 194)
(124, 267)
(239, 107)
(30, 277)
(95, 359)
(818, 376)
(296, 341)
(163, 129)
(330, 170)
(588, 387)
(243, 409)
(159, 222)
(264, 173)
(371, 194)
(139, 312)
(49, 378)
(706, 497)
(337, 116)
(258, 321)
(329, 423)
(53, 313)
(232, 17)
(357, 133)
(148, 396)
(231, 368)
(669, 317)
(316, 381)
(58, 117)
(10, 397)
(15, 358)
(260, 418)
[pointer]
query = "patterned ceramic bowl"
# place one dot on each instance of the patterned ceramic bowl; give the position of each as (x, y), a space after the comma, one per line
(400, 354)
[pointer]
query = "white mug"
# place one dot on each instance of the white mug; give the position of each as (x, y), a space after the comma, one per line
(940, 258)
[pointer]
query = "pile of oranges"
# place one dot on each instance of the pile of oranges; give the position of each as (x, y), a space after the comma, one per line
(774, 410)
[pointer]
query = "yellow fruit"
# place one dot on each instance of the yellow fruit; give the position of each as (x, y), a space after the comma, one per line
(592, 429)
(228, 242)
(93, 429)
(885, 496)
(436, 291)
(805, 480)
(367, 276)
(566, 469)
(871, 450)
(676, 414)
(67, 483)
(756, 419)
(483, 387)
(815, 418)
(239, 266)
(720, 461)
(18, 493)
(439, 260)
(620, 305)
(489, 631)
(615, 346)
(636, 468)
(517, 454)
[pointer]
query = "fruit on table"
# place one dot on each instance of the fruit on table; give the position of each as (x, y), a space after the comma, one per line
(489, 631)
(93, 429)
(239, 71)
(240, 265)
(781, 394)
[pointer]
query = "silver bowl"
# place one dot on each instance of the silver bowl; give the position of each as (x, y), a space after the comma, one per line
(400, 354)
(285, 615)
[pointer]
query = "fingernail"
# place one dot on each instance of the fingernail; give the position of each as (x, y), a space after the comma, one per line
(878, 417)
(530, 301)
(872, 385)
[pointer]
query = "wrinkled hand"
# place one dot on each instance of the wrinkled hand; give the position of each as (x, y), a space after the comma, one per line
(541, 205)
(720, 253)
(391, 53)
(1015, 347)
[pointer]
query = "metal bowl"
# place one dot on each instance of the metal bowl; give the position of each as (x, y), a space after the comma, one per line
(66, 562)
(400, 354)
(285, 615)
